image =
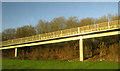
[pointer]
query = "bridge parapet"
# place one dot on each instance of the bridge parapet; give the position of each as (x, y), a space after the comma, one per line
(63, 33)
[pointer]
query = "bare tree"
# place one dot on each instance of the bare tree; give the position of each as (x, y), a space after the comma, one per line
(25, 31)
(86, 21)
(8, 34)
(72, 22)
(57, 24)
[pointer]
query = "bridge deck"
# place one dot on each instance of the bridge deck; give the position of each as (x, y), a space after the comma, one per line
(64, 33)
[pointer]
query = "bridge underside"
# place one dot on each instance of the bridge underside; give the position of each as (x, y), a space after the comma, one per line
(80, 38)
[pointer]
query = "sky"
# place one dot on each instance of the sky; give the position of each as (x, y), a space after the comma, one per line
(18, 14)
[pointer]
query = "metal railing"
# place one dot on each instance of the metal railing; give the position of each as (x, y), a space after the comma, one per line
(62, 33)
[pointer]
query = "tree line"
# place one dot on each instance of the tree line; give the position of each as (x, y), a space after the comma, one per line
(59, 23)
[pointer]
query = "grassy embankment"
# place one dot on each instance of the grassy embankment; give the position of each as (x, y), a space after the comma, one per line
(33, 64)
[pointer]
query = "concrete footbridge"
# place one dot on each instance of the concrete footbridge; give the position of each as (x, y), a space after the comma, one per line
(79, 33)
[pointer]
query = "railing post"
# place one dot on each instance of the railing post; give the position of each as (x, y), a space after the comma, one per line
(108, 25)
(61, 32)
(78, 30)
(39, 36)
(53, 35)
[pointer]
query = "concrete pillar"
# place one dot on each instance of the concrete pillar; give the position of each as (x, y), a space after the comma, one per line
(81, 49)
(78, 29)
(15, 52)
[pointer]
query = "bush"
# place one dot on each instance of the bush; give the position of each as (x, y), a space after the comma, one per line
(103, 49)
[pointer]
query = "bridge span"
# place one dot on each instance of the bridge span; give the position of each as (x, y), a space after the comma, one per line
(79, 33)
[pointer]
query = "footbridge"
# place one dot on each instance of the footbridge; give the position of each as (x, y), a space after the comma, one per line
(79, 33)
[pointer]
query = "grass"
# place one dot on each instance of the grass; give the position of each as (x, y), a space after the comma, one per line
(34, 64)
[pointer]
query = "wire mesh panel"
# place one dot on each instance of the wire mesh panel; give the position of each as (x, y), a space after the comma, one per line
(92, 27)
(53, 35)
(73, 31)
(119, 24)
(22, 40)
(50, 34)
(45, 35)
(28, 39)
(67, 32)
(4, 43)
(41, 36)
(35, 38)
(114, 24)
(64, 32)
(102, 26)
(15, 41)
(25, 39)
(76, 30)
(87, 28)
(61, 33)
(19, 40)
(10, 41)
(38, 37)
(106, 25)
(95, 27)
(81, 29)
(70, 31)
(56, 33)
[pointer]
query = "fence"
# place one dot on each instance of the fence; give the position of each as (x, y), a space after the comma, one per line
(62, 33)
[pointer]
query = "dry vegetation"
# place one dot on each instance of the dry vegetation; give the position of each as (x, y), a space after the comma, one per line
(97, 49)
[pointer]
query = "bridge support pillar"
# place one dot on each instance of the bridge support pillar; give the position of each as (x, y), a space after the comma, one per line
(81, 49)
(15, 52)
